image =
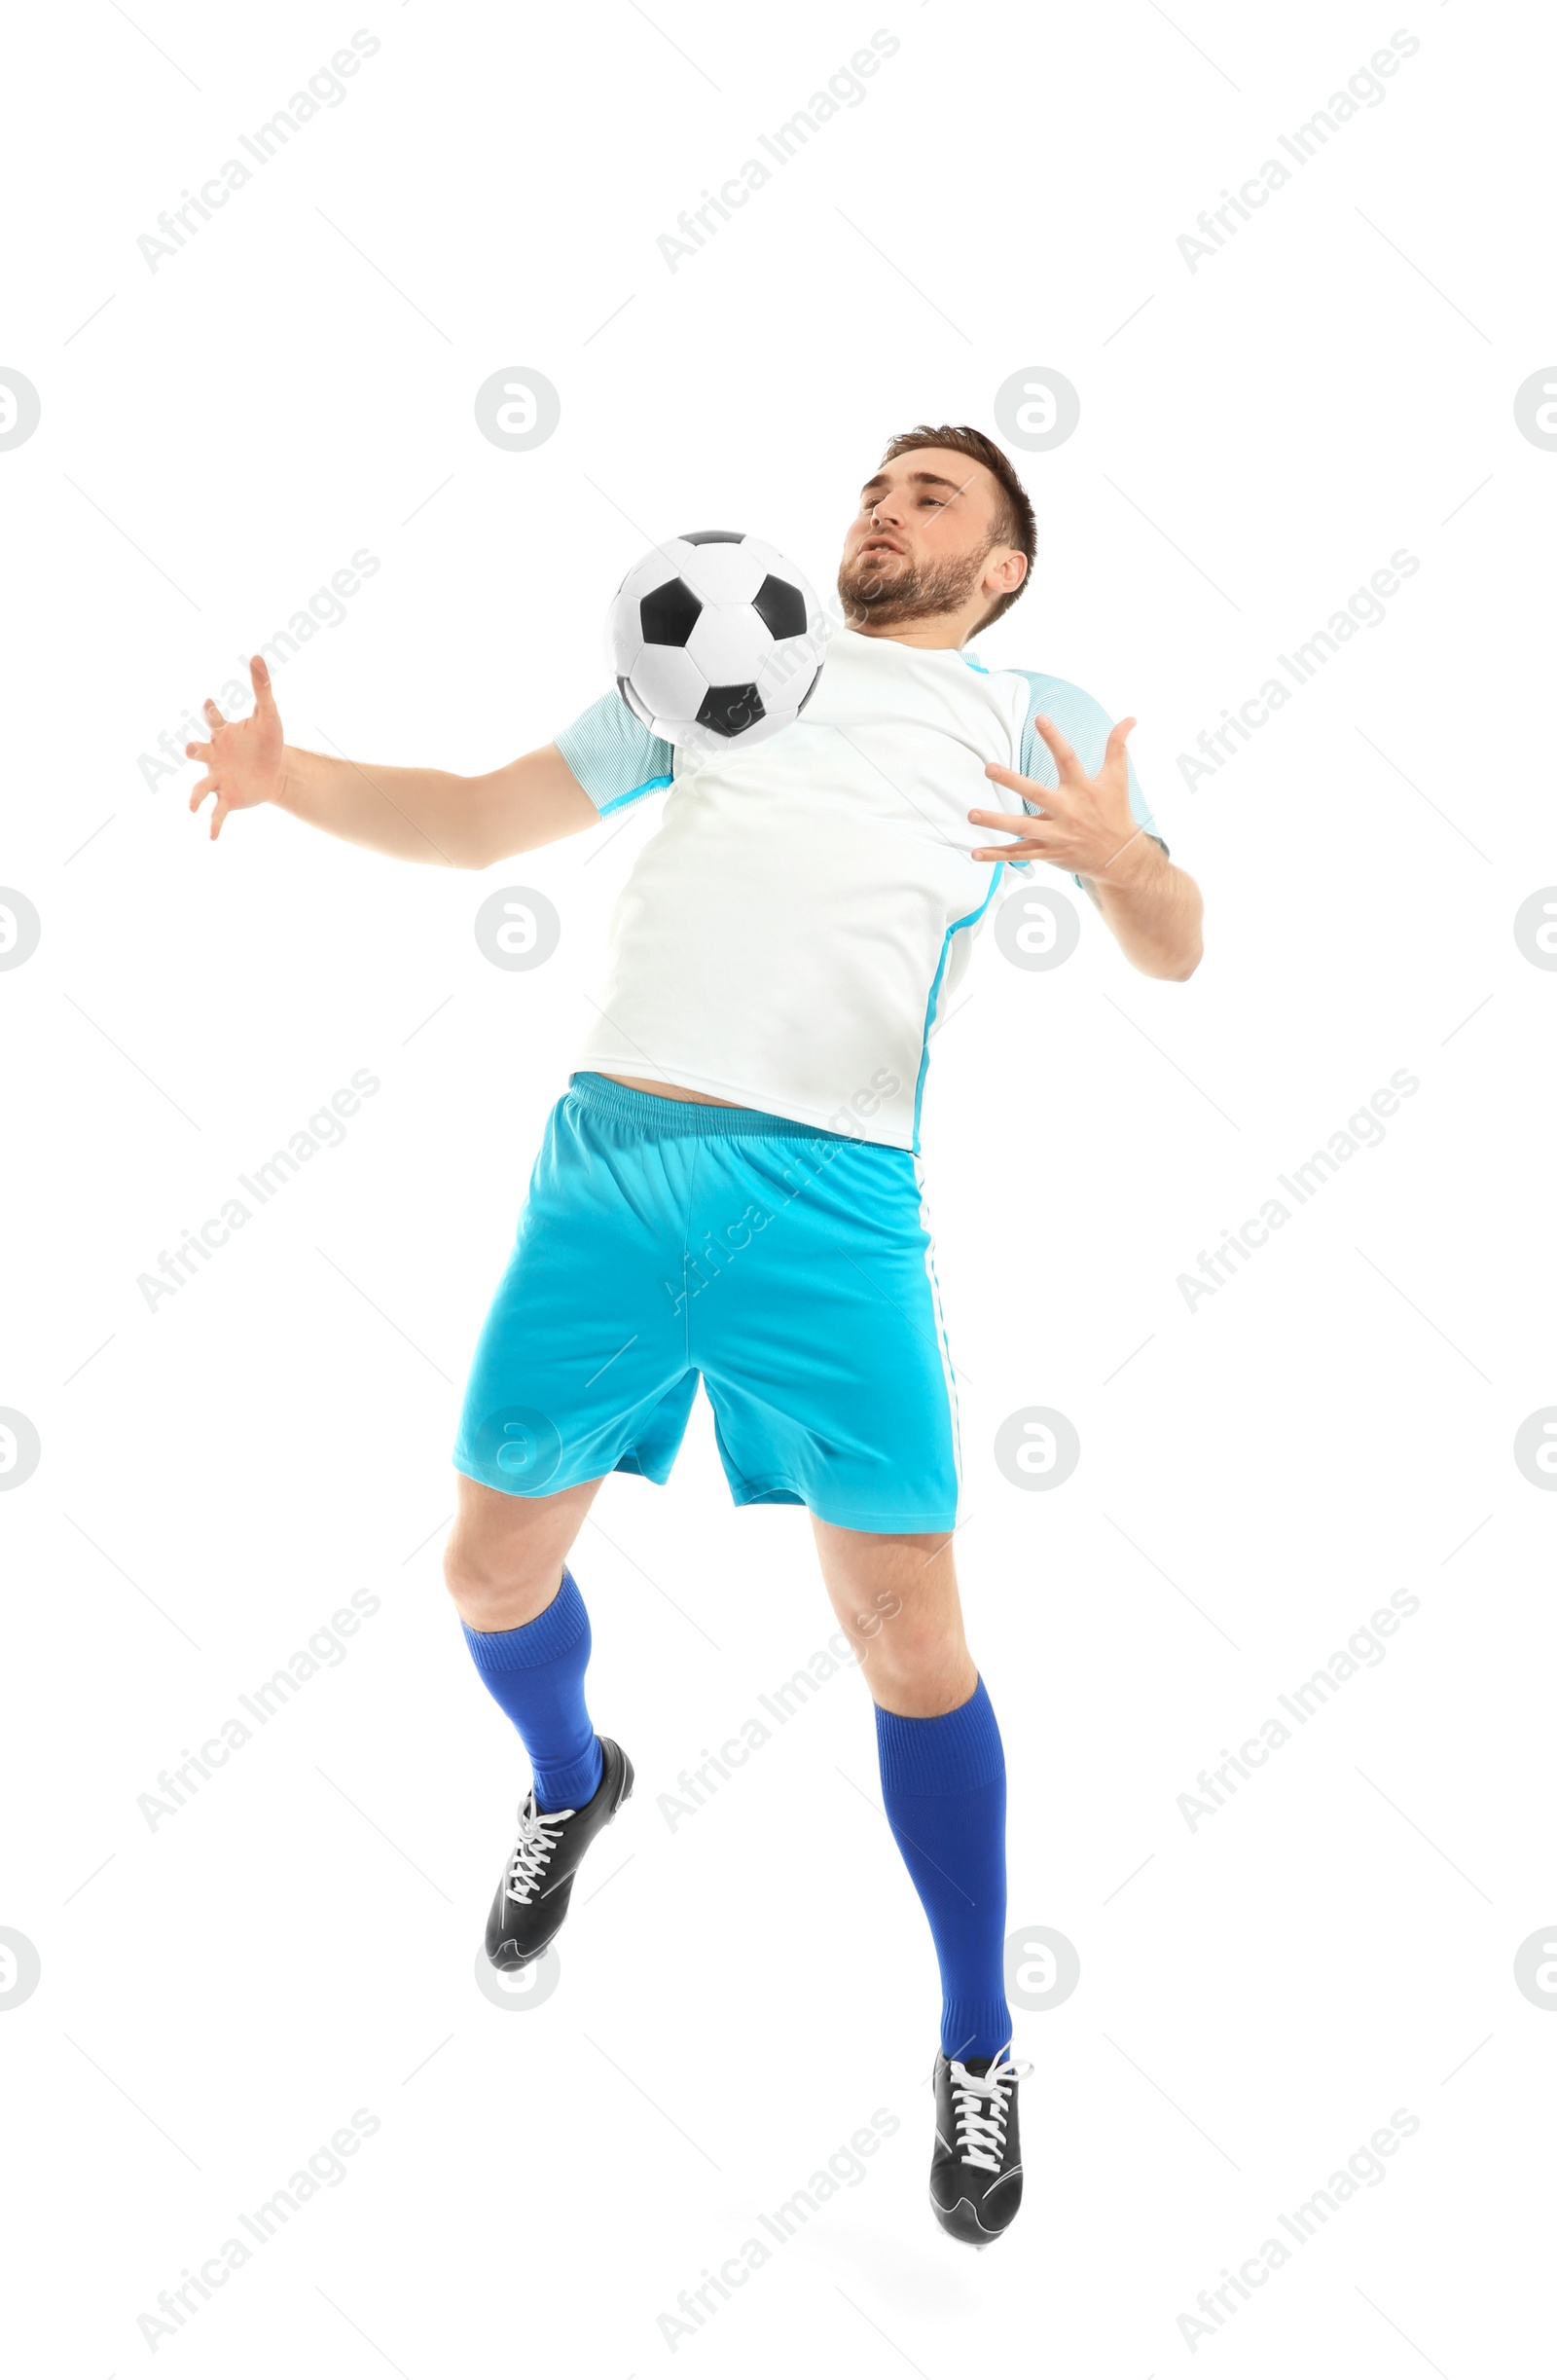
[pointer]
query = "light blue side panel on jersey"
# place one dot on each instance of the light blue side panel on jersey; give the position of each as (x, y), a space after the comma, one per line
(998, 870)
(1084, 724)
(613, 754)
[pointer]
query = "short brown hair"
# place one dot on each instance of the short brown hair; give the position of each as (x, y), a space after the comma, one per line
(1014, 522)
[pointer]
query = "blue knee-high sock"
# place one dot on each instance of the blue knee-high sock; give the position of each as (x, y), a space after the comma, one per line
(943, 1781)
(536, 1673)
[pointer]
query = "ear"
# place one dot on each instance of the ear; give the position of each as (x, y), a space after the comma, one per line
(1005, 576)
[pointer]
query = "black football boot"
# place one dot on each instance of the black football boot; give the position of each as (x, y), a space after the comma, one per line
(976, 2170)
(537, 1882)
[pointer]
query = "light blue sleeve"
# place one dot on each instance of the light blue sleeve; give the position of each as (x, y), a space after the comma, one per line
(613, 754)
(1084, 724)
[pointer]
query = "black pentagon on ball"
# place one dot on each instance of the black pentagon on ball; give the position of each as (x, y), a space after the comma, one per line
(780, 608)
(728, 710)
(714, 536)
(670, 614)
(809, 691)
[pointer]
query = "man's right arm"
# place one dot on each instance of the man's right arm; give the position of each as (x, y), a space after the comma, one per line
(428, 815)
(433, 816)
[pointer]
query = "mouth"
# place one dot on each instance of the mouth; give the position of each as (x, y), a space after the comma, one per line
(881, 545)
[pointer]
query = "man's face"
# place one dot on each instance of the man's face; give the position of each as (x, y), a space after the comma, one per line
(919, 544)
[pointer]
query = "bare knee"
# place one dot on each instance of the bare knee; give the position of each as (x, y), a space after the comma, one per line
(897, 1598)
(503, 1561)
(919, 1667)
(497, 1587)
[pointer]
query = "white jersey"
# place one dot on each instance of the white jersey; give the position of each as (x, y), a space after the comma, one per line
(791, 934)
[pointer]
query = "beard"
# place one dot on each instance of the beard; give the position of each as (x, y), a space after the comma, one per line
(890, 596)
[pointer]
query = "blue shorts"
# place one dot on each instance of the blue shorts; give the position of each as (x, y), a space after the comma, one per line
(663, 1241)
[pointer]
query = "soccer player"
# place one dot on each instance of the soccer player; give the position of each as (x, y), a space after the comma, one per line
(731, 1186)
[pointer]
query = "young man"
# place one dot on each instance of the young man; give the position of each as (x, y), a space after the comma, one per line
(730, 1188)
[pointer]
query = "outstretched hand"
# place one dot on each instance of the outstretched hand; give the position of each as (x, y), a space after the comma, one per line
(245, 759)
(1085, 826)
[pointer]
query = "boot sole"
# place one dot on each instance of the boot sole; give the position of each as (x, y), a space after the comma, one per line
(978, 2237)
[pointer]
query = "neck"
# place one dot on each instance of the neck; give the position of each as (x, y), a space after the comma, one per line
(943, 631)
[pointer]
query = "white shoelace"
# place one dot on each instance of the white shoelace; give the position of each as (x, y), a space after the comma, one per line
(981, 2102)
(538, 1837)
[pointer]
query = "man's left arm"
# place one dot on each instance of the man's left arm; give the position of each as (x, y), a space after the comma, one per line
(1084, 824)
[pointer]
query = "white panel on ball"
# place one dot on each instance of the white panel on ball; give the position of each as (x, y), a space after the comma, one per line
(669, 683)
(623, 645)
(729, 644)
(661, 562)
(725, 574)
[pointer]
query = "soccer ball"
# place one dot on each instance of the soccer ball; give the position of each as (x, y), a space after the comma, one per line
(714, 640)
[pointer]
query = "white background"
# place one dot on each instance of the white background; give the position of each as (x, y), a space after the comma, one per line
(741, 1994)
